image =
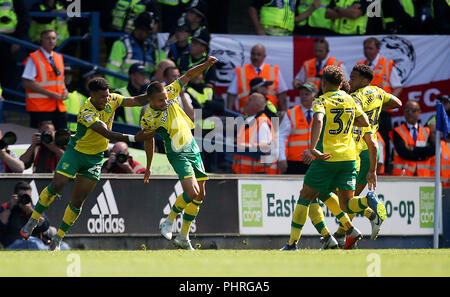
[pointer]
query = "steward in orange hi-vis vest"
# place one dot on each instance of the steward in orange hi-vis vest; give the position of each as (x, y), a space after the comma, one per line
(300, 138)
(445, 164)
(311, 71)
(48, 78)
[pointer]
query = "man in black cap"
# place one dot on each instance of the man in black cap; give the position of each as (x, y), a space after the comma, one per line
(137, 85)
(179, 43)
(260, 85)
(139, 46)
(196, 14)
(198, 53)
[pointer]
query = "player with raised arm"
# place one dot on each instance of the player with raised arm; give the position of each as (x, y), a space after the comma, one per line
(82, 160)
(335, 113)
(165, 117)
(372, 100)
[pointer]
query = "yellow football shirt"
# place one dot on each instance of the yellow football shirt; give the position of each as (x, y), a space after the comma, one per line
(172, 124)
(371, 100)
(86, 140)
(340, 111)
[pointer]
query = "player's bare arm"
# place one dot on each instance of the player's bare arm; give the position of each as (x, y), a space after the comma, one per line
(362, 121)
(149, 148)
(393, 103)
(139, 100)
(315, 134)
(195, 71)
(103, 130)
(373, 156)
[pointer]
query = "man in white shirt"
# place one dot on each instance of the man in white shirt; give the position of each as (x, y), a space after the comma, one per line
(257, 57)
(294, 162)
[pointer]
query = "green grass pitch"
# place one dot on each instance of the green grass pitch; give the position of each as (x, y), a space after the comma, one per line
(227, 263)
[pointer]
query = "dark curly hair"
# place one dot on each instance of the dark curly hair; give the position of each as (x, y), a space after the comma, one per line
(154, 87)
(333, 75)
(98, 84)
(364, 70)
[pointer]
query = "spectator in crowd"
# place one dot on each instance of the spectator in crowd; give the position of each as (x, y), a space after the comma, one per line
(39, 24)
(310, 18)
(9, 161)
(15, 213)
(15, 22)
(312, 69)
(295, 133)
(74, 99)
(260, 85)
(272, 19)
(198, 53)
(159, 71)
(348, 20)
(196, 15)
(179, 44)
(125, 13)
(44, 152)
(120, 161)
(171, 10)
(137, 85)
(239, 89)
(140, 46)
(43, 81)
(171, 74)
(413, 146)
(386, 76)
(255, 135)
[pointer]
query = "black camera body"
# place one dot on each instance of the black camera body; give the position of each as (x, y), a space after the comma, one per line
(46, 137)
(121, 157)
(62, 137)
(24, 199)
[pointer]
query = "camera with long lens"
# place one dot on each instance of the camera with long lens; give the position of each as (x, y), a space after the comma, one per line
(8, 139)
(46, 137)
(122, 157)
(24, 199)
(62, 137)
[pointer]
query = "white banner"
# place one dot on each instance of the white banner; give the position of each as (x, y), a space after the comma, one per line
(266, 207)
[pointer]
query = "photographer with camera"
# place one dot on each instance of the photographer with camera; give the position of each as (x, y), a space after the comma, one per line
(15, 213)
(9, 161)
(120, 161)
(47, 147)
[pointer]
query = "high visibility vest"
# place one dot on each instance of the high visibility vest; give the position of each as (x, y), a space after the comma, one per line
(382, 74)
(408, 7)
(246, 135)
(317, 19)
(201, 98)
(445, 164)
(300, 138)
(381, 155)
(124, 14)
(311, 71)
(277, 17)
(58, 24)
(411, 168)
(8, 17)
(125, 52)
(73, 104)
(349, 26)
(173, 2)
(246, 73)
(47, 79)
(132, 113)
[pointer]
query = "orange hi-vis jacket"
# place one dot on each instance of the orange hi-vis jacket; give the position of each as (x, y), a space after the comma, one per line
(381, 148)
(246, 73)
(411, 168)
(311, 71)
(382, 74)
(47, 79)
(246, 135)
(300, 138)
(445, 164)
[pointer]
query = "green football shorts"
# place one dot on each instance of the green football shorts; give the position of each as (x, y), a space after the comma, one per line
(363, 168)
(326, 177)
(73, 162)
(188, 162)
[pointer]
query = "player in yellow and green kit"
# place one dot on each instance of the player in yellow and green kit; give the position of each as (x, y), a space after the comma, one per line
(372, 100)
(165, 117)
(82, 161)
(335, 113)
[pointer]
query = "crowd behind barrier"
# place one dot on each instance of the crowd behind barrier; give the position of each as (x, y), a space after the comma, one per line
(65, 53)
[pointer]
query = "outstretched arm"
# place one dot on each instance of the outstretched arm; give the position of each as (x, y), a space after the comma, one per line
(149, 147)
(393, 103)
(139, 100)
(103, 130)
(196, 70)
